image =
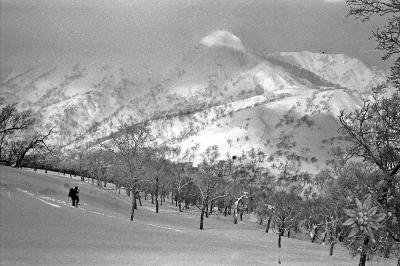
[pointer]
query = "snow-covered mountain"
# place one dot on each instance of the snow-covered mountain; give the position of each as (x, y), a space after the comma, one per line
(284, 105)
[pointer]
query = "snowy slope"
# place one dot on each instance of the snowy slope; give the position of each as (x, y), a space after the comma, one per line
(41, 228)
(336, 68)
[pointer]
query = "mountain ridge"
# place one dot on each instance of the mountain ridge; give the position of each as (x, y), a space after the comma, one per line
(216, 94)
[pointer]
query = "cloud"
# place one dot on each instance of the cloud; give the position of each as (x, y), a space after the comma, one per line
(223, 38)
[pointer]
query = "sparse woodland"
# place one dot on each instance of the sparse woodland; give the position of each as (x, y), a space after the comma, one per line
(353, 202)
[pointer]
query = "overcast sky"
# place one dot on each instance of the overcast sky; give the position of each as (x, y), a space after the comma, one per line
(42, 31)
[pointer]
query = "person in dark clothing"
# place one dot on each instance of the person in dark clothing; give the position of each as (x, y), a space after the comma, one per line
(74, 195)
(71, 194)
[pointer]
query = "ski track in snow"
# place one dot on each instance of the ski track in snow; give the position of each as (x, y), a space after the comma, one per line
(49, 203)
(46, 199)
(163, 227)
(153, 210)
(38, 198)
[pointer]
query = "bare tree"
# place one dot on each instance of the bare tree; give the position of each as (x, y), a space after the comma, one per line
(93, 163)
(11, 122)
(388, 37)
(21, 145)
(375, 132)
(333, 217)
(211, 173)
(158, 169)
(285, 206)
(236, 206)
(81, 158)
(129, 145)
(181, 181)
(49, 157)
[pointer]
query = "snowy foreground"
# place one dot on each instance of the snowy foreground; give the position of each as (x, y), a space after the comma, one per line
(39, 227)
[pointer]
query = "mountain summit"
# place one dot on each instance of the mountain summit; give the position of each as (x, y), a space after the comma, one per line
(282, 105)
(223, 38)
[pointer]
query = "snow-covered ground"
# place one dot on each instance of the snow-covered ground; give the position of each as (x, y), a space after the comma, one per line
(39, 227)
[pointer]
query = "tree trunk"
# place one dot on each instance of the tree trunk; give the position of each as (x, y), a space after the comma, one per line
(180, 206)
(152, 198)
(241, 215)
(331, 248)
(279, 239)
(202, 218)
(161, 195)
(157, 194)
(134, 199)
(288, 233)
(133, 206)
(172, 198)
(140, 201)
(363, 255)
(268, 225)
(226, 211)
(323, 239)
(363, 259)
